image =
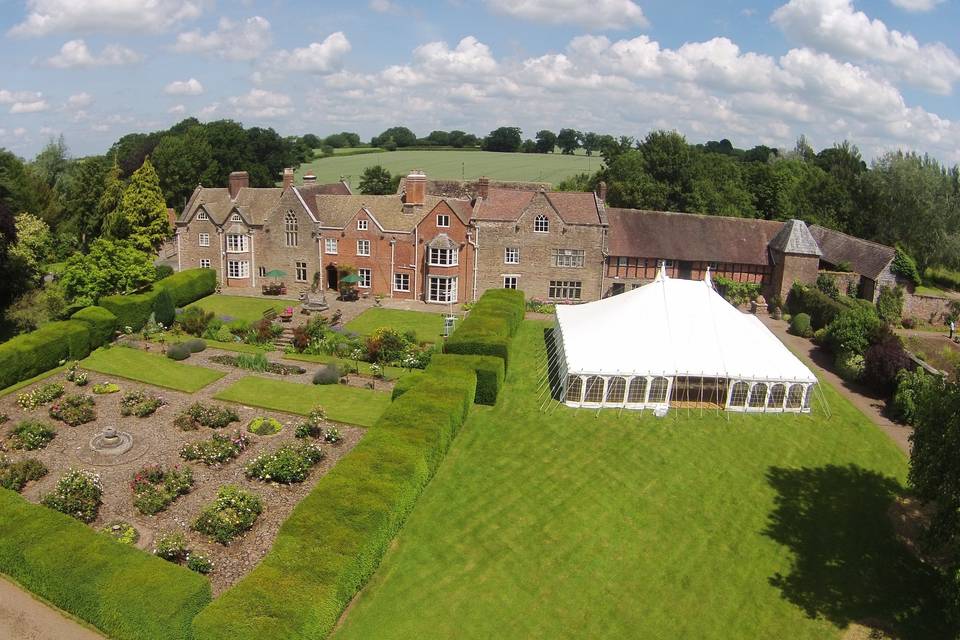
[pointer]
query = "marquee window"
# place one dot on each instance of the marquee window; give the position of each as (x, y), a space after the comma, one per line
(574, 388)
(777, 393)
(658, 390)
(440, 257)
(237, 243)
(511, 255)
(594, 391)
(808, 398)
(795, 396)
(330, 246)
(616, 387)
(291, 229)
(204, 240)
(758, 395)
(738, 396)
(541, 224)
(565, 290)
(638, 391)
(301, 272)
(365, 277)
(363, 247)
(568, 257)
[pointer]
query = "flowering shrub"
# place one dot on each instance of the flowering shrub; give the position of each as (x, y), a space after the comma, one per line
(171, 546)
(199, 563)
(308, 430)
(122, 532)
(332, 435)
(155, 488)
(199, 414)
(74, 410)
(539, 306)
(75, 375)
(233, 512)
(140, 404)
(31, 434)
(41, 395)
(289, 463)
(105, 387)
(77, 494)
(216, 450)
(15, 475)
(263, 426)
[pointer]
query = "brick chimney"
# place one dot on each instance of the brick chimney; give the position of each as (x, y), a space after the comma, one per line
(287, 178)
(602, 191)
(238, 180)
(416, 188)
(309, 179)
(483, 187)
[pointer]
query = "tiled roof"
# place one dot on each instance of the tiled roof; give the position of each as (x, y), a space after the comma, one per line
(470, 189)
(688, 236)
(865, 257)
(795, 238)
(253, 204)
(503, 204)
(575, 207)
(337, 211)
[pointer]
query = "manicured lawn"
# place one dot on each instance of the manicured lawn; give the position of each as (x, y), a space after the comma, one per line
(342, 403)
(389, 373)
(427, 326)
(455, 165)
(150, 368)
(575, 524)
(239, 347)
(243, 308)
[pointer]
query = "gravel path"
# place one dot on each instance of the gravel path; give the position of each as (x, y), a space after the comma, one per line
(25, 618)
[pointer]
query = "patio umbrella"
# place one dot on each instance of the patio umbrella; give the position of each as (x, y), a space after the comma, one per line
(275, 273)
(351, 278)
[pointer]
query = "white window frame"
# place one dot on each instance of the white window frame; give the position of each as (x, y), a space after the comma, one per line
(237, 243)
(202, 215)
(452, 257)
(511, 255)
(449, 293)
(568, 258)
(366, 278)
(443, 220)
(299, 267)
(541, 224)
(330, 242)
(235, 217)
(291, 228)
(203, 240)
(238, 269)
(511, 280)
(565, 287)
(401, 282)
(204, 263)
(362, 225)
(363, 247)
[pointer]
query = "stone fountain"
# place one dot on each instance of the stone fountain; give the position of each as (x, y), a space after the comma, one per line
(112, 447)
(111, 442)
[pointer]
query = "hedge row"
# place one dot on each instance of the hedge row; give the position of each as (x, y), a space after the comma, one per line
(821, 308)
(489, 370)
(122, 591)
(491, 323)
(30, 354)
(134, 310)
(335, 538)
(189, 285)
(101, 322)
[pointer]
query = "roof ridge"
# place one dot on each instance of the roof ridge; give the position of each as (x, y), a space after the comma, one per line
(858, 238)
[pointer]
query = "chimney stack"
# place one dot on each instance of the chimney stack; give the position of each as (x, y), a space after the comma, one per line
(287, 178)
(309, 179)
(416, 188)
(238, 180)
(602, 191)
(483, 187)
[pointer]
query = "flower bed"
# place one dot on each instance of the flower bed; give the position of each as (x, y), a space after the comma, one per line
(289, 463)
(41, 395)
(264, 426)
(140, 404)
(154, 488)
(233, 512)
(216, 450)
(200, 415)
(31, 435)
(258, 362)
(74, 410)
(77, 494)
(15, 475)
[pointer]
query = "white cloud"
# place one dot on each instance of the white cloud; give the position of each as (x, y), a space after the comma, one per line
(259, 103)
(231, 40)
(384, 6)
(597, 14)
(47, 131)
(98, 16)
(9, 97)
(75, 53)
(835, 27)
(191, 87)
(177, 109)
(34, 106)
(79, 100)
(209, 110)
(317, 57)
(469, 57)
(917, 6)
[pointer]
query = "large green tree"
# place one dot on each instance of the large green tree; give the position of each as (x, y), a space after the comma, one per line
(181, 162)
(546, 141)
(376, 180)
(503, 139)
(143, 210)
(34, 243)
(568, 140)
(111, 266)
(401, 136)
(82, 189)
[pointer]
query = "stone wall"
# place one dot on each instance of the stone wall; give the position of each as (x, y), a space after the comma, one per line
(925, 309)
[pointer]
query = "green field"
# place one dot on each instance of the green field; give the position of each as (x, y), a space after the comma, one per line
(248, 309)
(575, 524)
(455, 165)
(150, 368)
(342, 403)
(427, 326)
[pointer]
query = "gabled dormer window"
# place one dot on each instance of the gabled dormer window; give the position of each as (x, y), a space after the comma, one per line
(541, 224)
(202, 215)
(361, 225)
(236, 218)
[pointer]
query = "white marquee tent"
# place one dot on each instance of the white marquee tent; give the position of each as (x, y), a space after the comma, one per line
(675, 340)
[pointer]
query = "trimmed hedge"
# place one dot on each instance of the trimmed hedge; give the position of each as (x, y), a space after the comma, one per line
(488, 328)
(336, 537)
(821, 308)
(407, 382)
(134, 310)
(189, 285)
(490, 372)
(33, 353)
(124, 592)
(102, 324)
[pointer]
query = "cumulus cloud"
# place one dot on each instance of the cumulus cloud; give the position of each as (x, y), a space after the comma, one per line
(317, 57)
(34, 106)
(598, 14)
(231, 40)
(79, 101)
(916, 6)
(833, 26)
(470, 56)
(259, 103)
(177, 109)
(96, 16)
(9, 97)
(75, 53)
(191, 87)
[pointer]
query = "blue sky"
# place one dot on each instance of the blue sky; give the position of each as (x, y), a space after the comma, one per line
(882, 74)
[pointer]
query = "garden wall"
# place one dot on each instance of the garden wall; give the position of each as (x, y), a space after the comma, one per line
(926, 309)
(124, 592)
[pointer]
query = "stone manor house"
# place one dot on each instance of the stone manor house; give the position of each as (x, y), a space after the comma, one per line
(449, 241)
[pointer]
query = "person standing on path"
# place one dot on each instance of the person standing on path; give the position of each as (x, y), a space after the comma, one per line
(953, 328)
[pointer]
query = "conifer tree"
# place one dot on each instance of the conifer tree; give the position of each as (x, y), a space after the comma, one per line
(107, 208)
(143, 209)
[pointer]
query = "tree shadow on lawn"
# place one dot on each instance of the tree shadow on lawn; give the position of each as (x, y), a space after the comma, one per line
(848, 565)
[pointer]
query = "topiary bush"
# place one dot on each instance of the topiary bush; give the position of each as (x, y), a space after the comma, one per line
(800, 325)
(101, 323)
(178, 351)
(327, 374)
(489, 371)
(190, 285)
(821, 308)
(196, 345)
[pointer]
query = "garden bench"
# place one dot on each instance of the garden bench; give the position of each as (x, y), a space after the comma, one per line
(270, 314)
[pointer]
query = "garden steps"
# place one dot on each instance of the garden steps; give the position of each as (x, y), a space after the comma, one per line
(285, 339)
